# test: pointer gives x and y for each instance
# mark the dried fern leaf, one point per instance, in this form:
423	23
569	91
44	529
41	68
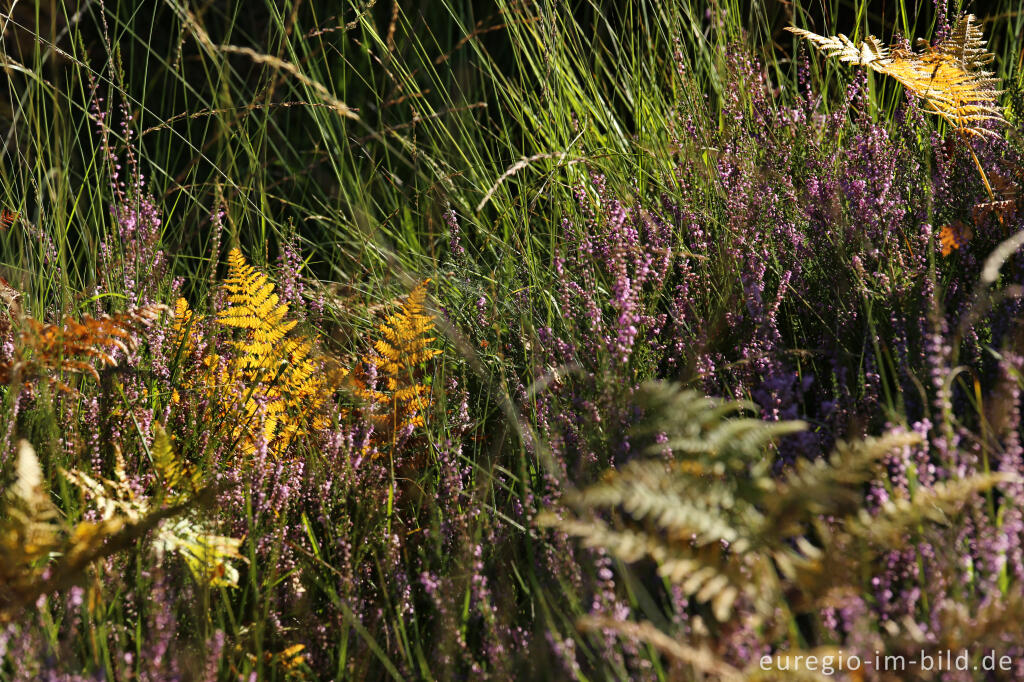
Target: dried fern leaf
870	52
949	78
76	347
935	505
831	485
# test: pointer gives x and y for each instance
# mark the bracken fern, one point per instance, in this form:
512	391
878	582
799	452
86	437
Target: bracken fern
270	388
40	553
718	523
207	555
397	396
48	351
949	78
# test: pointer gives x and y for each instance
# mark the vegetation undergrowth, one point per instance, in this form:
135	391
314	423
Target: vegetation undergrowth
654	340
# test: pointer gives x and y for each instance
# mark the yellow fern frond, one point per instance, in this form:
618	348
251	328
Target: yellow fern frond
399	398
272	388
255	306
949	78
182	328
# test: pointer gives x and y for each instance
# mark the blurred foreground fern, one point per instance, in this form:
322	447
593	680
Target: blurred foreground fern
720	525
208	555
40	554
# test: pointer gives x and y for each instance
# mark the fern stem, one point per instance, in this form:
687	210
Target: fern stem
981	171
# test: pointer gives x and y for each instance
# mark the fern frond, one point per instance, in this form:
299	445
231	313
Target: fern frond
870	52
674	504
39	554
75	347
399	399
177	477
271	388
720	525
28	527
702	659
966	44
207	555
182	331
994	623
933	505
832	485
949	78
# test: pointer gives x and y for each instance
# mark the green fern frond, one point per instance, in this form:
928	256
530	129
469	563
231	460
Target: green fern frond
719	524
177	477
207	555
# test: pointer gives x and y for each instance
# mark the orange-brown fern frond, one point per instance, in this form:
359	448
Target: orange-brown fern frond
76	347
953	236
1005	200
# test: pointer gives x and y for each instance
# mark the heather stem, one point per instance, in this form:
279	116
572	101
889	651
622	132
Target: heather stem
981	171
